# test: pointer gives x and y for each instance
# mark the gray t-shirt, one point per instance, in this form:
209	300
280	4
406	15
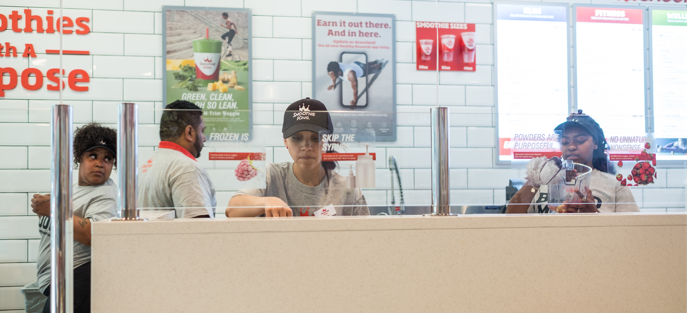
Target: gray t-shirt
609	195
305	200
92	202
173	179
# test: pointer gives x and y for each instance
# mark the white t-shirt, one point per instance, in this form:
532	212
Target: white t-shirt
347	67
609	195
305	200
172	178
92	202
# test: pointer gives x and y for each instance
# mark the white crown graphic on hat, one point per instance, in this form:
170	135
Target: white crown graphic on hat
304	113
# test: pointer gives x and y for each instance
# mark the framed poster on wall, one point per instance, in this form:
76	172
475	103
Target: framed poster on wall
353	71
207	61
532	92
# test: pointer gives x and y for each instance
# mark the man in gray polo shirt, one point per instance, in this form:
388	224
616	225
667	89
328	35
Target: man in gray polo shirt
172	178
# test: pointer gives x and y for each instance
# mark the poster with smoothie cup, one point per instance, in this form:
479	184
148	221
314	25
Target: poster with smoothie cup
449	46
207	62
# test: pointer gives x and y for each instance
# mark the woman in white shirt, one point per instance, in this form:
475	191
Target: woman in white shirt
583	142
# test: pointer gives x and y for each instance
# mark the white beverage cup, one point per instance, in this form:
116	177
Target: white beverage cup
469	42
426	48
448	43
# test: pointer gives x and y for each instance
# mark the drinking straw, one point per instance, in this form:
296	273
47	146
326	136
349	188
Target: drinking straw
206	33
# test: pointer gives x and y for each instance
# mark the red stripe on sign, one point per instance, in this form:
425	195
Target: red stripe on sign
609	15
66	52
631	157
236	156
536	154
330	157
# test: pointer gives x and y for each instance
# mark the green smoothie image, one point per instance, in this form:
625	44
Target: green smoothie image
207	58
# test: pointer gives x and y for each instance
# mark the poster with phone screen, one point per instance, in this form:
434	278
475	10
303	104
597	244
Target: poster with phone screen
354	72
449	45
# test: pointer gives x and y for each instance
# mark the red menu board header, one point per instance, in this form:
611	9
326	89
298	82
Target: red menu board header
609	15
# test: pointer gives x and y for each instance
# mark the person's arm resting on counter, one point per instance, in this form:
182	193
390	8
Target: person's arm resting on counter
521	201
248	206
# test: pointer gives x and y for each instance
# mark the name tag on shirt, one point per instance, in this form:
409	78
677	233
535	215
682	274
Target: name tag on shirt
326	211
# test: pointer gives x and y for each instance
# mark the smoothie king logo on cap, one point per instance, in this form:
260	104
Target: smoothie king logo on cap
304	113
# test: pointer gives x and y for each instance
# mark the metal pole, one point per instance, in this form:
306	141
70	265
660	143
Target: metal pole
127	160
439	119
61	229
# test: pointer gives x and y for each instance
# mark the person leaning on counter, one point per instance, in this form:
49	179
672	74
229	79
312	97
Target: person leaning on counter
304	186
94	199
583	142
172	178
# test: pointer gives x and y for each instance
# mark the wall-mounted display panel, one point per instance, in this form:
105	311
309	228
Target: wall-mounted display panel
532	80
669	78
609	67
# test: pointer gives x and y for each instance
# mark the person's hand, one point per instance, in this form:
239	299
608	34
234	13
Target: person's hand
353	103
330	87
585	206
275	207
40	204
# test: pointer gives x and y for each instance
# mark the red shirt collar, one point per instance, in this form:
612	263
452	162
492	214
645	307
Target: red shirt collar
174	146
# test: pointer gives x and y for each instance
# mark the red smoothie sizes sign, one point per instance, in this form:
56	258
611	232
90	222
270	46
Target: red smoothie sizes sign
449	45
50	24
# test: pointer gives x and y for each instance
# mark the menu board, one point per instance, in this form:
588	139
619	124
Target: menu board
532	81
609	67
669	37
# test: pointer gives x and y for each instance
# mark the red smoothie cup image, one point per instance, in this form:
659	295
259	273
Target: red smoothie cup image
448	42
469	42
207	58
426	47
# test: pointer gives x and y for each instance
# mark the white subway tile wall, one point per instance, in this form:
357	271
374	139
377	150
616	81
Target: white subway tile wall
125	65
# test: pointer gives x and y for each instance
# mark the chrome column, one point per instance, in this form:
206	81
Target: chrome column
61	227
439	119
127	160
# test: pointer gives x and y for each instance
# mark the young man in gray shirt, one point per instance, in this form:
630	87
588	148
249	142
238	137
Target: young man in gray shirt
172	178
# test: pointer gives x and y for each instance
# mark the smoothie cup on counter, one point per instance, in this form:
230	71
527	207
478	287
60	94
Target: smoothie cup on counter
207	58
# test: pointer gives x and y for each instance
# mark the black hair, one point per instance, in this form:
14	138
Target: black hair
600	160
92	135
333	67
176	117
225	15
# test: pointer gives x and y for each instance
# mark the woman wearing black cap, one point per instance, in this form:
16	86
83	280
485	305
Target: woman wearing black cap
94	199
302	187
583	142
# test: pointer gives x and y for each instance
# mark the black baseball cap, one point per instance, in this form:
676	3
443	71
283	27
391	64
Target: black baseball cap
584	121
306	114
